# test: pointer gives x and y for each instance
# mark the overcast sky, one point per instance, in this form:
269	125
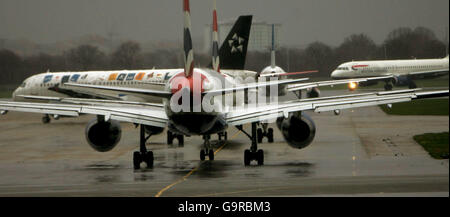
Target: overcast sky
304	21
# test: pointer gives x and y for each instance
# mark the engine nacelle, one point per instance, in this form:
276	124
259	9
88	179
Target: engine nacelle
401	81
313	92
298	130
367	83
103	136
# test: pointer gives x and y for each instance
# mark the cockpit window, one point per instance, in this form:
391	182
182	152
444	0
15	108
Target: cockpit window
23	84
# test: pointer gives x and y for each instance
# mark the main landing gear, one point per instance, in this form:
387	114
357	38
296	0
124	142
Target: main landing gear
253	153
264	131
223	136
46	119
388	87
412	85
142	155
207	149
171	136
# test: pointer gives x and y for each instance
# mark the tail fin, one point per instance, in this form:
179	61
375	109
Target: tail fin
187	41
215	45
272	51
234	48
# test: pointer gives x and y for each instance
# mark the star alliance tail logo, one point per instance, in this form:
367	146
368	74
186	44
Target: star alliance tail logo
236	43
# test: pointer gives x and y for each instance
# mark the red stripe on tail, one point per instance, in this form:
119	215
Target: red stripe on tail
186	6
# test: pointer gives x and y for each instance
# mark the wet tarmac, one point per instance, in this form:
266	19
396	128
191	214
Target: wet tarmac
362	152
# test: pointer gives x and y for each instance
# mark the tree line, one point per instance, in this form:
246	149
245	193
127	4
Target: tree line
401	43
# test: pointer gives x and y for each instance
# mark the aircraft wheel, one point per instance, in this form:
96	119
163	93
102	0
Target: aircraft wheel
211	155
270	135
388	87
412	85
180	141
260	157
169	138
149	159
247	157
260	135
46	119
137	160
202	155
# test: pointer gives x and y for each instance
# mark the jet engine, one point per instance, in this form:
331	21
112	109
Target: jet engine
298	130
401	81
313	92
103	136
367	83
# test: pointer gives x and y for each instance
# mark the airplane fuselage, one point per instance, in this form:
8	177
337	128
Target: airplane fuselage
358	69
53	84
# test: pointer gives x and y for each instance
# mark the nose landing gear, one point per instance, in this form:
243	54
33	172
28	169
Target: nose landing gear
171	137
207	149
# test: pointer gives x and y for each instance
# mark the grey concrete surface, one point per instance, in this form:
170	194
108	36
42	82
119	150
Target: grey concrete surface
362	152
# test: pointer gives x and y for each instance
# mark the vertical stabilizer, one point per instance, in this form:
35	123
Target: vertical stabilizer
187	41
215	37
233	51
272	51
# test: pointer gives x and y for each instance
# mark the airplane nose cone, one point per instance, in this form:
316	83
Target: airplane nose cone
335	74
14	94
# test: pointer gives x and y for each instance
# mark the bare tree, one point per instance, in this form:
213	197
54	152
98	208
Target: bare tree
85	57
356	47
405	43
10	67
127	55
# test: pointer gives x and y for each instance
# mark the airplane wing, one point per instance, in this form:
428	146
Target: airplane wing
255	85
87	101
140	114
135	91
428	73
303	86
81	93
271	111
288	73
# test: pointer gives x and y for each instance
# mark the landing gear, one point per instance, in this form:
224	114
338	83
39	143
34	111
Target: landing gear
388	87
249	156
253	153
143	155
223	135
46	119
207	149
171	137
412	85
265	132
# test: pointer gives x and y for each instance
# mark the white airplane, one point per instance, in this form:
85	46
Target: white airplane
403	72
275	71
203	102
51	86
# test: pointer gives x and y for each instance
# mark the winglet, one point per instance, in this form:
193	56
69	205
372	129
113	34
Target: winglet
187	41
215	46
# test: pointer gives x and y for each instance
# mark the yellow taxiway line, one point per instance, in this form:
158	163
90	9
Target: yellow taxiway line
184	178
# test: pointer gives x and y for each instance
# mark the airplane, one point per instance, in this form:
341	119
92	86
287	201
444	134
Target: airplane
403	72
203	101
49	85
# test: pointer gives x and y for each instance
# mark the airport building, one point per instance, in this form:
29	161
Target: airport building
260	35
